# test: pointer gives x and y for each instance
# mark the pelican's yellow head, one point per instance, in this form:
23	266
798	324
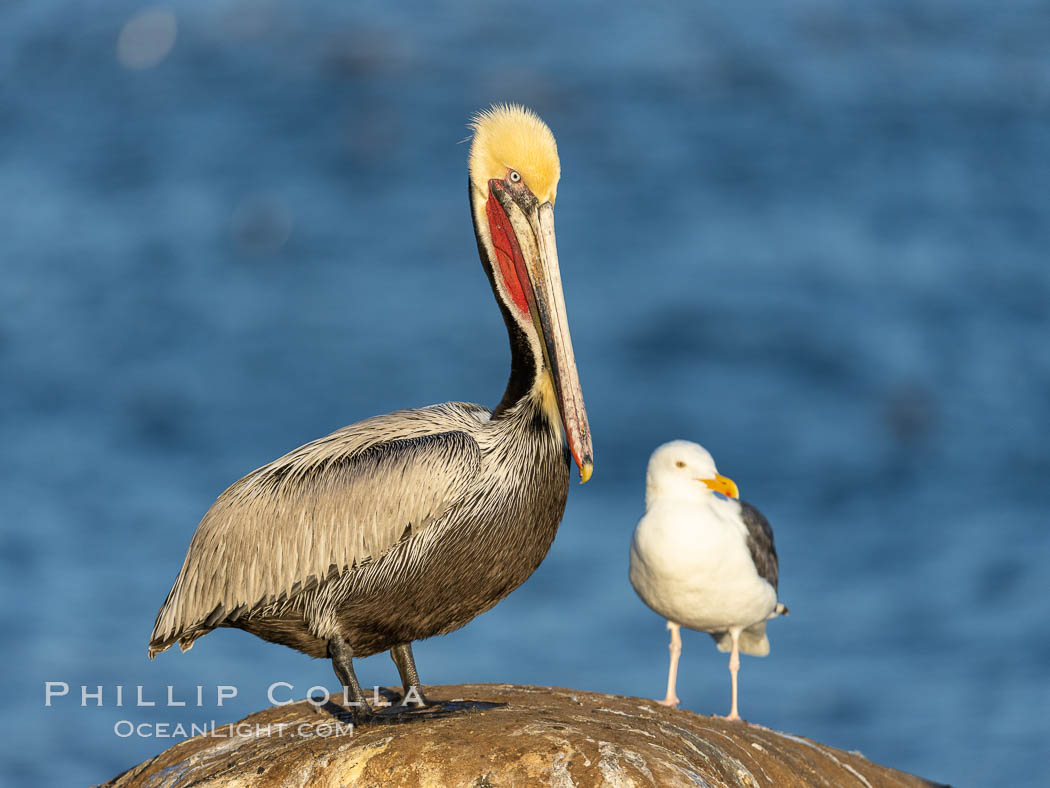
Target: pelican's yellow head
510	137
514	171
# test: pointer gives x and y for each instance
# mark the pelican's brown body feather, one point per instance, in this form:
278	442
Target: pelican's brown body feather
430	517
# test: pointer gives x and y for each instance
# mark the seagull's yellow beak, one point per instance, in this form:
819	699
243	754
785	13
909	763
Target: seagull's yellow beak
722	484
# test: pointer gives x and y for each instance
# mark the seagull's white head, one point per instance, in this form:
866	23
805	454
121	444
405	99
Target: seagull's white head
683	469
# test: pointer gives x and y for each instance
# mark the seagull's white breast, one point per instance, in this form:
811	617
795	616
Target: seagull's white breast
690	563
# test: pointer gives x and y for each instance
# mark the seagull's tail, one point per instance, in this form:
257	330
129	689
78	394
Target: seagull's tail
752	641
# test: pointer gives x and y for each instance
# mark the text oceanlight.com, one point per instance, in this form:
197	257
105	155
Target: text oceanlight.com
166	730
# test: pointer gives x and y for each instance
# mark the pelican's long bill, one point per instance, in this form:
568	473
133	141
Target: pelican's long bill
535	262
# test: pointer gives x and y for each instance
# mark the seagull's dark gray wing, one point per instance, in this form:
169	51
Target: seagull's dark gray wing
760	543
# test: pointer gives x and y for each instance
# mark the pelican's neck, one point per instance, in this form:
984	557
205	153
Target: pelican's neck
525	379
526	371
533	420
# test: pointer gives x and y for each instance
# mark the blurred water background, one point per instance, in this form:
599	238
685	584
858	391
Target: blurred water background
812	237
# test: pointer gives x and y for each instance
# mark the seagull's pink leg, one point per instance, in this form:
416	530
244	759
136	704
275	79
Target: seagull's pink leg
734	666
672	672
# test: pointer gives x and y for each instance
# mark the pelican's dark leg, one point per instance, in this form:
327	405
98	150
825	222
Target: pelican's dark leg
406	666
342	660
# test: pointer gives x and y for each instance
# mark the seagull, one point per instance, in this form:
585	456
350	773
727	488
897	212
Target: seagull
703	559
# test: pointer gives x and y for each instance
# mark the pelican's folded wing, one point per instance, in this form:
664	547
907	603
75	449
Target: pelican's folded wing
332	504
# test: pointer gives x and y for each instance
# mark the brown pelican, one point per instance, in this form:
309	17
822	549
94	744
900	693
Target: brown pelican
408	525
704	562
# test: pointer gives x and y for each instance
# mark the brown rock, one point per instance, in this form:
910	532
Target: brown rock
501	735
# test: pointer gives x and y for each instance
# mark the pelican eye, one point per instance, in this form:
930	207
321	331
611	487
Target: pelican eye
514	177
679	464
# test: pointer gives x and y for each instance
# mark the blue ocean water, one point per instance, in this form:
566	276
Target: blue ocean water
813	238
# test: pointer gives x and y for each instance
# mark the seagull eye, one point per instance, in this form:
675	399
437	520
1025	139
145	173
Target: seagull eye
514	177
679	464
